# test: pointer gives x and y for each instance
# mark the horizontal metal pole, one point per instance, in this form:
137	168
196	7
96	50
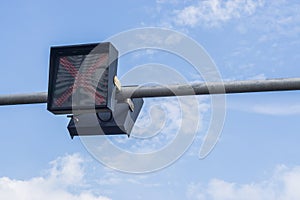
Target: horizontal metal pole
283	84
26	98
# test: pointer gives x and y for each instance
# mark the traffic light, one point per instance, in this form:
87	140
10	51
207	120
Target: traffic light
83	80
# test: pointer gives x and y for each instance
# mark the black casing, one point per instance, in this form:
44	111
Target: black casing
122	121
98	48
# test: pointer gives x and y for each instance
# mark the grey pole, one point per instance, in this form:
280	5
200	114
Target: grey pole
26	98
283	84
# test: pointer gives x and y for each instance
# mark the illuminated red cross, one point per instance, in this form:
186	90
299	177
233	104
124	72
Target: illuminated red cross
81	80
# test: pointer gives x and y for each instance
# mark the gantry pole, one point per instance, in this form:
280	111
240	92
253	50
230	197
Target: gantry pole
229	87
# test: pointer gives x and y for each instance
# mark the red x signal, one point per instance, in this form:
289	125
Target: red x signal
81	80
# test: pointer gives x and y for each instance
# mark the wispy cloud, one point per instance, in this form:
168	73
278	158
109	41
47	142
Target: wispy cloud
63	181
112	178
274	18
180	126
215	12
278	19
283	185
275	109
161	120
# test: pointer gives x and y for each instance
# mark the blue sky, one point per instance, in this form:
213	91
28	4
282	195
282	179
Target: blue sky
257	156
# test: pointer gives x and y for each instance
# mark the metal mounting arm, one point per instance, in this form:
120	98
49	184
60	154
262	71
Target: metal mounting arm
283	84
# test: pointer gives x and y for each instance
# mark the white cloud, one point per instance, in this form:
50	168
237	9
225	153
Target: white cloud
273	19
258	77
275	109
215	12
167	1
181	124
64	181
161	120
283	185
277	19
67	170
112	178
